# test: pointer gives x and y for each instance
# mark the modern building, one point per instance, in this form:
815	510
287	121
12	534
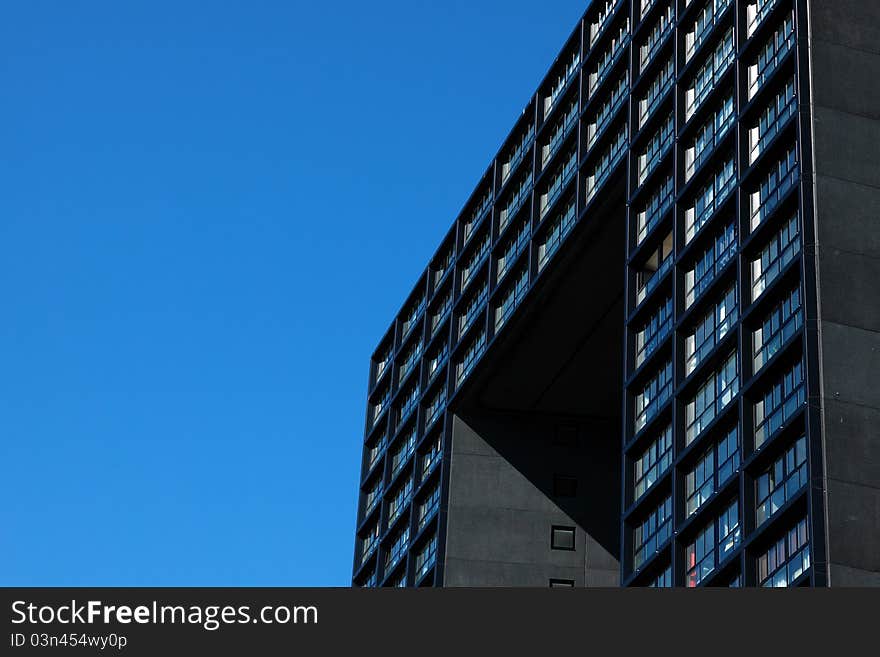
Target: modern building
647	353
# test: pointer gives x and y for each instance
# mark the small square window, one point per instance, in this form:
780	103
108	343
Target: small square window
566	436
562	538
564	486
561	583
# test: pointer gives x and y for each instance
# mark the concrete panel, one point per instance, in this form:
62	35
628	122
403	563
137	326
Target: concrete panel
460	573
845	79
848	289
852	443
851	361
853	525
846	576
502	504
854	23
846	146
848	215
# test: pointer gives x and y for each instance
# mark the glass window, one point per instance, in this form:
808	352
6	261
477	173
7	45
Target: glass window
562	538
715	542
781	481
782	248
712	397
787	559
709	199
652	533
655	330
779	403
710	264
710	330
778	45
653	396
558	230
781	323
653	463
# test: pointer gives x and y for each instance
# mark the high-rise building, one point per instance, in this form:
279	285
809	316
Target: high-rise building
647	353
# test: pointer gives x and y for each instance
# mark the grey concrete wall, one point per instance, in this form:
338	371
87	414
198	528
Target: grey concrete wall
845	62
502	507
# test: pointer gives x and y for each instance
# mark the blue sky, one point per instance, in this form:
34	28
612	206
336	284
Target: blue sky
209	214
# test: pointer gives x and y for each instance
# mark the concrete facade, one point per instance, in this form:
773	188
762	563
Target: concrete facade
845	56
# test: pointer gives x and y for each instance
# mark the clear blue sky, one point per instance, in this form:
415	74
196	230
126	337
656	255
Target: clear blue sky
209	214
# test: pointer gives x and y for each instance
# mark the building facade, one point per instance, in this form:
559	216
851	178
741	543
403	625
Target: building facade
647	351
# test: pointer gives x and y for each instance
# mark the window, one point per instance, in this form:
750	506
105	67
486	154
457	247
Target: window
710	264
656	92
781	179
781	323
778	45
562	538
663	580
426	558
608	110
436	406
655	330
412	315
561	583
779	404
558	230
712	397
432	456
517	151
399	501
709	74
608	58
428	508
470	357
443	264
408	401
711	472
775	115
398	549
517	199
656	149
710	330
787	559
403	451
606	163
560	179
654	269
780	251
442	309
652	397
708	136
652	463
655	39
652	533
410	358
369	542
381	405
474	260
480	211
781	481
437	359
375	451
655	209
472	308
372	496
603	18
560	131
709	199
564	486
702	27
565	76
755	13
381	363
713	545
